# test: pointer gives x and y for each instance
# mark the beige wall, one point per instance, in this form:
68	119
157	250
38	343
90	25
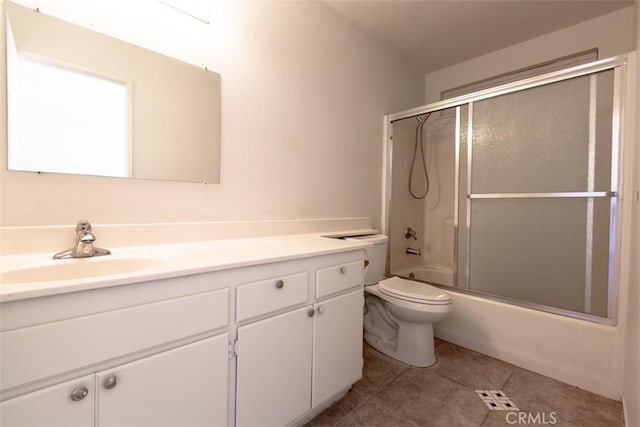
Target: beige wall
632	355
612	34
303	96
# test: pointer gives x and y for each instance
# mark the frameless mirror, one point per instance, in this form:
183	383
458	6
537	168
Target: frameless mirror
81	102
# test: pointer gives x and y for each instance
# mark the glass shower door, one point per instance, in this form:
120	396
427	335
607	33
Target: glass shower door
537	195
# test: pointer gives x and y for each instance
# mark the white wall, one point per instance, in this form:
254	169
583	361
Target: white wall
612	34
303	96
585	354
632	354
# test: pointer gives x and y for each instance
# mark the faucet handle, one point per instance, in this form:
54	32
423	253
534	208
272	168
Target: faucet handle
410	233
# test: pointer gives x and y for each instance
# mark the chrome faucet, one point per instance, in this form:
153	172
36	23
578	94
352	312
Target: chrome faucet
410	233
84	244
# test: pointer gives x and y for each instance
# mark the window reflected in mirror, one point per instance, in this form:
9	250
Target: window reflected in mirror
78	125
80	102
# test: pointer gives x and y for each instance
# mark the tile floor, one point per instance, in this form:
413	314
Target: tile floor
394	394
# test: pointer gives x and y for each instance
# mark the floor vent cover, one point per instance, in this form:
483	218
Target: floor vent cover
496	400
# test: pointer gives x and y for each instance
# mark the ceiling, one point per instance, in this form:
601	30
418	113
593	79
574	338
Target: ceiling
438	33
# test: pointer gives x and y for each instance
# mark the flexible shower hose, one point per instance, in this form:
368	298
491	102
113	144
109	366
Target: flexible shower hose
418	145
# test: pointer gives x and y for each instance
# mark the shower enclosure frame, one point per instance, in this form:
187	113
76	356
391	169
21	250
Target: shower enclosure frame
618	65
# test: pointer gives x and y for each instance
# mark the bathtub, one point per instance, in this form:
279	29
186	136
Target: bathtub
580	353
434	275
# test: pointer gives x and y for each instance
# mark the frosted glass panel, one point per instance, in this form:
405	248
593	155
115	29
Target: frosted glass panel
542	251
498	220
552	138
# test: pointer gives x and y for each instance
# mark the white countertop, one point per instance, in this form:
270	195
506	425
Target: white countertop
175	260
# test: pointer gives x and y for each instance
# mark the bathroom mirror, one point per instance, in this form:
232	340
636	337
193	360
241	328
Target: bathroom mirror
81	102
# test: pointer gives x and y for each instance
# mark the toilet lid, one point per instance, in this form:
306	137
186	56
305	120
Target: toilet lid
414	291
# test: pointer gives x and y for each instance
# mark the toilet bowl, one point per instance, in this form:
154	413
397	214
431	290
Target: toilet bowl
400	324
399	313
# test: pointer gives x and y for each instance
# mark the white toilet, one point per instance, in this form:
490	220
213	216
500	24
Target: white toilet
400	313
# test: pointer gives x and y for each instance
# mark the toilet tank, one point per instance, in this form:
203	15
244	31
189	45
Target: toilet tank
375	254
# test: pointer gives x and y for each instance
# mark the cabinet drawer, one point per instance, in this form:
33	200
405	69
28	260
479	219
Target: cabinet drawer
266	296
29	354
339	277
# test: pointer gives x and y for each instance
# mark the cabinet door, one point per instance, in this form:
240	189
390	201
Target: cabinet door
337	346
186	386
69	404
274	369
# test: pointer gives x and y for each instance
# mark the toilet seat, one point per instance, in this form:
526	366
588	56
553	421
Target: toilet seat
413	291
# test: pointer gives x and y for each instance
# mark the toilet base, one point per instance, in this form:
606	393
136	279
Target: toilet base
413	344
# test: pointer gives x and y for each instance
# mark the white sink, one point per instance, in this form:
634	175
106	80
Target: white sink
79	268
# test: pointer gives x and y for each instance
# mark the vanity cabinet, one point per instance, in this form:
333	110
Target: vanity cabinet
292	362
159	363
264	345
186	386
69	404
274	369
337	345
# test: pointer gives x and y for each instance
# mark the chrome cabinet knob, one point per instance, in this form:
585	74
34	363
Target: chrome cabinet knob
79	393
343	270
111	382
280	284
321	309
311	312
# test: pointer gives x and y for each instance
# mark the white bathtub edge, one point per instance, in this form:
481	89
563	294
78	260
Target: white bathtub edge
580	353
